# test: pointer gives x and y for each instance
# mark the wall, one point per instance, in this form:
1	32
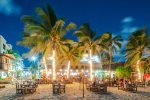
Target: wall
3	43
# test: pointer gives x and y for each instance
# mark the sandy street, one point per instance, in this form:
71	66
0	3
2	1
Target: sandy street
73	92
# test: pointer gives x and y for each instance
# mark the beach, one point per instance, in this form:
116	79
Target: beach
74	92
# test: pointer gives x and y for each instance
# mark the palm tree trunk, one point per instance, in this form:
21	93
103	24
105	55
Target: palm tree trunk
138	70
54	66
68	69
45	65
110	59
91	65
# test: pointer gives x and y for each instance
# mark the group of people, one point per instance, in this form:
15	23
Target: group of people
112	82
125	82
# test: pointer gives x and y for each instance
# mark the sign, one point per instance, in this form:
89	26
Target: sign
146	76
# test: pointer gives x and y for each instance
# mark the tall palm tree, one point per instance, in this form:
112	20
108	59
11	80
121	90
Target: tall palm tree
33	68
90	42
138	42
45	34
113	43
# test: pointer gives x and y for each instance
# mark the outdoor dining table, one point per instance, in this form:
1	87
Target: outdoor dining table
58	88
100	87
24	85
131	87
24	88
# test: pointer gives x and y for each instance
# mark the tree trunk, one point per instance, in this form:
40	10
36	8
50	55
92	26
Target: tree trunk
54	66
110	59
138	70
68	69
45	65
91	65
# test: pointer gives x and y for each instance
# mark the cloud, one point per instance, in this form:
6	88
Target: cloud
127	20
127	27
8	7
128	30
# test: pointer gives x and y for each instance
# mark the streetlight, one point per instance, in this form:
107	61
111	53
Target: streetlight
33	58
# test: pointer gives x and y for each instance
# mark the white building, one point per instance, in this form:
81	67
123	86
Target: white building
3	45
9	64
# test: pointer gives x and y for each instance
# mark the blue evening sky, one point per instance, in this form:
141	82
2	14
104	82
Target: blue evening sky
116	16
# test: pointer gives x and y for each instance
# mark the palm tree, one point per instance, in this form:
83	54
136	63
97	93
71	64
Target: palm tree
45	34
138	42
33	68
113	43
71	55
14	53
90	42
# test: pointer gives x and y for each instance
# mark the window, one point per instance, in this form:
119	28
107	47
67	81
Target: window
0	59
4	47
0	65
6	60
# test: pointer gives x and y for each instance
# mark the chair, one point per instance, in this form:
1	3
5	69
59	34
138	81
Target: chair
88	86
131	87
120	86
94	88
30	89
102	88
62	88
141	84
56	89
19	89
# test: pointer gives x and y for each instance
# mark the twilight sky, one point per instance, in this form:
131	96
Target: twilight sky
116	16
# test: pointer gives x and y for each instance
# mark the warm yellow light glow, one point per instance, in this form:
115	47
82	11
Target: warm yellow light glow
44	60
82	70
68	69
60	70
138	70
91	66
54	66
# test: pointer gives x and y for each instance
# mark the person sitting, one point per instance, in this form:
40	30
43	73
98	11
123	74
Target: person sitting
129	82
102	81
94	84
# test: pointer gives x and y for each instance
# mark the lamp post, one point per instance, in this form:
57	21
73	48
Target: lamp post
90	59
83	81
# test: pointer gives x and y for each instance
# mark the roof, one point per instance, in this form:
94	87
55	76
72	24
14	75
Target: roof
8	55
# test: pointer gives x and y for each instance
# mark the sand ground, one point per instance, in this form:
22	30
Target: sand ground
73	92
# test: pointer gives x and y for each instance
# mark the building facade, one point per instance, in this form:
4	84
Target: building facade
9	64
4	46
